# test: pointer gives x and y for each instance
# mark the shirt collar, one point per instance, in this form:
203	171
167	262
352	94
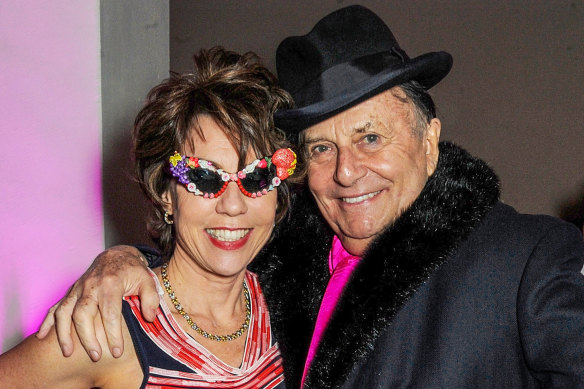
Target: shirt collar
338	254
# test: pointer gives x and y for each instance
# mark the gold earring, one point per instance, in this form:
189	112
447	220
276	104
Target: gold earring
166	219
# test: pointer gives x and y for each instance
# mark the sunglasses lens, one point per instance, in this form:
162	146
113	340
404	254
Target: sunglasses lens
207	181
257	180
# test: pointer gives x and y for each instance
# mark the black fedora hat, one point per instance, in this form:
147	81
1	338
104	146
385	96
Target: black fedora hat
349	56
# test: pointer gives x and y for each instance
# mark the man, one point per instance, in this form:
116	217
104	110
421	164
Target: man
435	283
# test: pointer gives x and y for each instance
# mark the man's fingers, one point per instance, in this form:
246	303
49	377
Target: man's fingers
83	317
47	323
149	299
110	307
62	317
101	284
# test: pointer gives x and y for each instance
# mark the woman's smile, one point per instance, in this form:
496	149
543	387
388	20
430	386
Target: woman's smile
227	234
228	239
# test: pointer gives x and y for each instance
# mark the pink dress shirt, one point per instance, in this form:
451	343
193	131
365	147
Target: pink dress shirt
341	265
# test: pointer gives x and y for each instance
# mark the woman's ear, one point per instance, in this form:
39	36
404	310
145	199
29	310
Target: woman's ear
167	198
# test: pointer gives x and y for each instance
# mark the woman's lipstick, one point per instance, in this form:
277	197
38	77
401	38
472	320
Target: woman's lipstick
228	238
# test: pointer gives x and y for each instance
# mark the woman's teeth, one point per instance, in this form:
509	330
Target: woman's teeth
228	235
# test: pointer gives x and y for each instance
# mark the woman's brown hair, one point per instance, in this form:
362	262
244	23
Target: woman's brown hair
238	92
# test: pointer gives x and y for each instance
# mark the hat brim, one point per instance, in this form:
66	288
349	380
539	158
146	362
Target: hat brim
427	69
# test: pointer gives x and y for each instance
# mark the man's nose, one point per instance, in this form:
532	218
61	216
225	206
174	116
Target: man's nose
232	201
349	167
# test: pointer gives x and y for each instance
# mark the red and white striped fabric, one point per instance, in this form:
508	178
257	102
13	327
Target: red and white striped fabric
170	358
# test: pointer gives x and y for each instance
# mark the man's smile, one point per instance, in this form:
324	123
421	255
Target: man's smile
358	199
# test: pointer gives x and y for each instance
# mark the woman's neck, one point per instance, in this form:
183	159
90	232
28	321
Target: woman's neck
201	292
216	304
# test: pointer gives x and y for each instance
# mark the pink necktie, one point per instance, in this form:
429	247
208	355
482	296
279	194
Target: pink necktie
341	265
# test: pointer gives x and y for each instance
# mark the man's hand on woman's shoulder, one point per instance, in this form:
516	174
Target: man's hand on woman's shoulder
117	272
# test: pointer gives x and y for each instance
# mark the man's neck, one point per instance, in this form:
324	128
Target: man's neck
356	247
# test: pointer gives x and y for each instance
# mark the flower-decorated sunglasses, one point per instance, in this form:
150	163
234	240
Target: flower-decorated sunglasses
202	178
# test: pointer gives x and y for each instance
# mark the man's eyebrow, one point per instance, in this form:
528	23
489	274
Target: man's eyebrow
308	140
365	127
359	129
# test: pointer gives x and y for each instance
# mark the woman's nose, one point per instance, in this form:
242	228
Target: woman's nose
232	202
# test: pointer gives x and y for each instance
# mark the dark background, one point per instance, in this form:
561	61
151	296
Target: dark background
513	97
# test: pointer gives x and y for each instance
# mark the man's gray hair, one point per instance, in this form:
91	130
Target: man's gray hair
424	107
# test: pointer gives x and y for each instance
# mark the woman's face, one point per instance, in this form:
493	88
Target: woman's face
220	235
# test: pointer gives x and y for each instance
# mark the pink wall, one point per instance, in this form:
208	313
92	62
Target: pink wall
50	155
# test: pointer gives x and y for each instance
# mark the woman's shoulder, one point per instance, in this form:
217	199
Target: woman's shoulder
40	363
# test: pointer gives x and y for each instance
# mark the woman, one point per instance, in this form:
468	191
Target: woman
209	159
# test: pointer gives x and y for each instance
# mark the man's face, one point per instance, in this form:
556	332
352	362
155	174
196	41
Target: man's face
366	165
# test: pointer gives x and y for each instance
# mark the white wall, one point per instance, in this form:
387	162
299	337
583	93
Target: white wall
50	155
60	141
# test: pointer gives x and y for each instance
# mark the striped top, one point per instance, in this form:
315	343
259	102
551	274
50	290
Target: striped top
170	358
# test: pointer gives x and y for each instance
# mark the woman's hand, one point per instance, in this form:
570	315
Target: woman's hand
117	272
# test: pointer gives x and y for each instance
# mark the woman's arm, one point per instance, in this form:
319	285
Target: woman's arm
38	363
117	272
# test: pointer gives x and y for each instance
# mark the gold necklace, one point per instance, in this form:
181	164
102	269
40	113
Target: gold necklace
193	325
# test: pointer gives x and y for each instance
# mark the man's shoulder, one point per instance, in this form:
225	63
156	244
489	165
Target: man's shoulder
504	219
505	233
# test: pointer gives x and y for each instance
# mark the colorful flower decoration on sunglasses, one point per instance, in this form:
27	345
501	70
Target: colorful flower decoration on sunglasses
202	178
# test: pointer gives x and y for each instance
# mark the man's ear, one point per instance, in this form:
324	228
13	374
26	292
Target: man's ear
431	140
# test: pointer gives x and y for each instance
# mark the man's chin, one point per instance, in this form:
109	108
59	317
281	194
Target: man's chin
361	228
356	244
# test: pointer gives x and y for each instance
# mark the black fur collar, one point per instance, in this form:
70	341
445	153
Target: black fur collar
294	269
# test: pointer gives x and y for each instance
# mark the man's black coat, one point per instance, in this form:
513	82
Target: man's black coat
460	292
